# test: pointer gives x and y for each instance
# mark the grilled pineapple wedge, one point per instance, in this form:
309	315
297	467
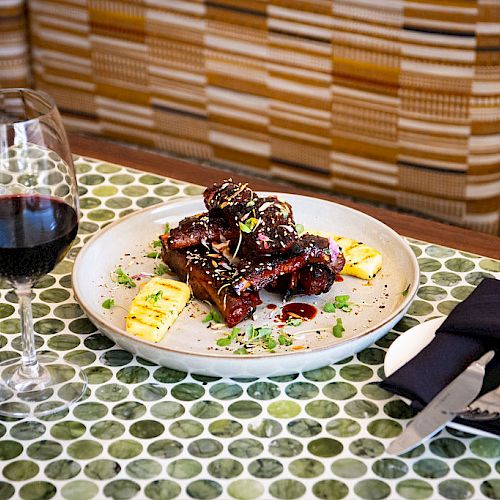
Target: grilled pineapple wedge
361	260
156	307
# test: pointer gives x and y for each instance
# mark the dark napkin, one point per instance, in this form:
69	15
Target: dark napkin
471	329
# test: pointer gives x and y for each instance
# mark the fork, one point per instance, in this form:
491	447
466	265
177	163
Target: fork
487	407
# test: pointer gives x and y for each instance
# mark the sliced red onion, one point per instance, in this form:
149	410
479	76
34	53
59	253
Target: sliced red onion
334	248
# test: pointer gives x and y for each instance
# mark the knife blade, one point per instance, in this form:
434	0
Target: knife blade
444	407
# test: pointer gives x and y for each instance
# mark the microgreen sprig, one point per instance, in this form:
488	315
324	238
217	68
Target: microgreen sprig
338	329
108	303
214	315
341	302
124	279
154	297
225	341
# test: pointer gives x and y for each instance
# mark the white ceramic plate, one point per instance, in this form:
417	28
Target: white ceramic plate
191	346
407	346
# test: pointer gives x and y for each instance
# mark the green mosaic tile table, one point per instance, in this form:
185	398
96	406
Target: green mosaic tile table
149	432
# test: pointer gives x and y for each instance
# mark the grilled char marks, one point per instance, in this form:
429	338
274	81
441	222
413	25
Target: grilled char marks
210	277
202	228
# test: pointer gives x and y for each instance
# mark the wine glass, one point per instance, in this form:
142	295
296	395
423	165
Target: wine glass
39	213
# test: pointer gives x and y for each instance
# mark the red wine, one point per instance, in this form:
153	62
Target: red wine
35	234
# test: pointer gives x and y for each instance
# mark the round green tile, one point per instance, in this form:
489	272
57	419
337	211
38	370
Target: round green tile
116	357
27	430
134	191
330	489
38	309
6	310
491	488
431	468
150	392
84	449
90	411
390	468
420	308
244	409
459	265
67	430
366	448
475	278
304	428
166	190
361	409
62	469
384	428
301	390
82	168
184	468
193	190
372	489
168	375
427	265
88	203
98	374
263	390
37	490
414	489
167	410
106	168
287	489
165	448
245	489
320	374
490	265
204	489
266	428
111	392
325	447
205	448
91	179
149	179
374	391
283	409
439	252
432	293
121	489
162	489
125	448
371	356
102	469
144	468
356	372
265	468
306	468
107	429
48	326
148	201
348	468
79	490
225	391
6	490
399	409
343	427
285	447
447	306
448	447
461	292
146	429
44	450
129	410
486	447
104	191
472	468
187	391
245	448
322	408
225	428
206	409
456	489
63	342
84	326
132	374
186	428
121	180
118	203
10	326
20	470
225	468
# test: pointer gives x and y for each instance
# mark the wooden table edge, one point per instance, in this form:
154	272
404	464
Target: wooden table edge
408	225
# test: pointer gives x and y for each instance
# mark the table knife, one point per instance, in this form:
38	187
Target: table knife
444	407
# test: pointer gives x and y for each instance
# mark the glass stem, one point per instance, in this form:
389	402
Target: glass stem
30	367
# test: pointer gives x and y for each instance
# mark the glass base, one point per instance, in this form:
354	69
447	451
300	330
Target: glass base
51	387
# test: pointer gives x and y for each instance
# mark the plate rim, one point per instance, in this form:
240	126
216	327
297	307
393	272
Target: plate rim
179	201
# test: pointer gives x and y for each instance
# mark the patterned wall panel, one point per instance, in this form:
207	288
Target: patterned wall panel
14	53
396	101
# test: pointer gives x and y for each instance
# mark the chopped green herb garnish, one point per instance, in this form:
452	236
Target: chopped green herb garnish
167	228
241	350
108	303
154	297
338	329
124	279
299	228
153	255
225	341
341	302
249	225
156	243
270	343
329	307
284	339
404	293
161	269
214	315
293	321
